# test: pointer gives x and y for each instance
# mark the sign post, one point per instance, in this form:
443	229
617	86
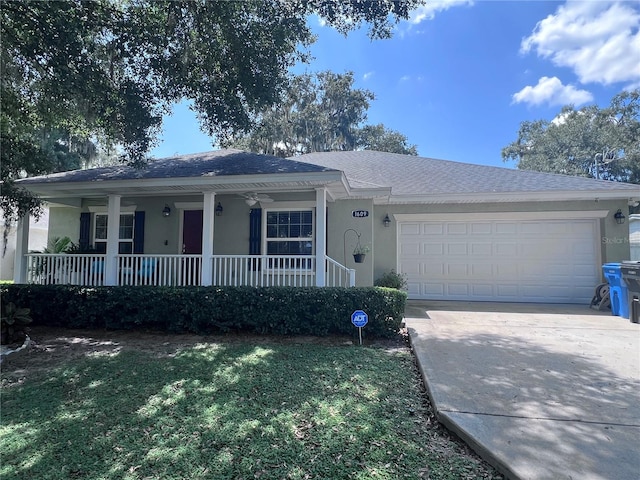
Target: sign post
359	319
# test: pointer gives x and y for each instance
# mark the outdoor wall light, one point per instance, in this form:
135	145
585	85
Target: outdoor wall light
386	220
166	211
219	210
619	216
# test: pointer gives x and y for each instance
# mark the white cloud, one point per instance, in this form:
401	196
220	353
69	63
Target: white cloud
598	40
431	7
367	76
551	91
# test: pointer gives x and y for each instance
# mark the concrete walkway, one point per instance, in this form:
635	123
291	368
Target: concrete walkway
540	391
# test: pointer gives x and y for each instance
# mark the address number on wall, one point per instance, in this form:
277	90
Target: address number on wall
360	213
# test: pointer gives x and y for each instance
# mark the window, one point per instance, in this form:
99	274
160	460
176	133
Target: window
125	233
289	232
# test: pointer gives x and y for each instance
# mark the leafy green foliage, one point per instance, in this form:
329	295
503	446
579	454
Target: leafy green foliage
379	138
77	75
58	245
320	113
226	411
13	322
392	279
591	142
207	310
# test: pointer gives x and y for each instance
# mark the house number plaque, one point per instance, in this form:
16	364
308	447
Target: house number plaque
360	213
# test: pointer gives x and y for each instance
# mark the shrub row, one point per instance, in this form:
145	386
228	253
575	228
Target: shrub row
212	310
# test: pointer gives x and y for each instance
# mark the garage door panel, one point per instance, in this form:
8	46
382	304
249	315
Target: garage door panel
457	249
537	261
506	249
410	229
482	290
432	228
506	228
484	228
456	228
411	268
481	271
481	249
583	248
433	289
458	289
433	249
457	270
410	248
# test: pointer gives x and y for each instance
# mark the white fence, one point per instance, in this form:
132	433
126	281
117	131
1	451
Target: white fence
187	270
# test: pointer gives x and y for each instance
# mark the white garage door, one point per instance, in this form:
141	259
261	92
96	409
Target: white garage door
549	261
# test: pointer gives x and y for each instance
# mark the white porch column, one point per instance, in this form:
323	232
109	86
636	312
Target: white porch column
321	235
22	247
113	237
208	214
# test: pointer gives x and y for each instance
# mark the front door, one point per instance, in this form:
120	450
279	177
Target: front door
191	245
192	232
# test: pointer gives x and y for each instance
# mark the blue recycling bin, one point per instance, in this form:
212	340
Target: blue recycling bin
618	291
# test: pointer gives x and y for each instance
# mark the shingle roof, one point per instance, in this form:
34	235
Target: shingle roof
411	175
208	164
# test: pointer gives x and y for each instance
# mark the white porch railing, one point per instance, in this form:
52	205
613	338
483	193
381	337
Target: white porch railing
185	270
48	269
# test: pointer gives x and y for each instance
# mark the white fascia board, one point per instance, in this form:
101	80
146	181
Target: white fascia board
65	202
506	216
104	209
515	197
203	183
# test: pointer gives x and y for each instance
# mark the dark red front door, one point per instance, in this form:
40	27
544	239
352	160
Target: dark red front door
192	232
191	245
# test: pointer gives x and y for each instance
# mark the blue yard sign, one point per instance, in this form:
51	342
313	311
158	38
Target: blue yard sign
359	318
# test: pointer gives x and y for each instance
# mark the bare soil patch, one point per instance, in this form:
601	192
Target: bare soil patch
52	346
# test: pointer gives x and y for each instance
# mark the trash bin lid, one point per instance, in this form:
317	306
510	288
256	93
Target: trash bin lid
630	269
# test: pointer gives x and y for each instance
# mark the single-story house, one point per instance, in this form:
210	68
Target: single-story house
457	231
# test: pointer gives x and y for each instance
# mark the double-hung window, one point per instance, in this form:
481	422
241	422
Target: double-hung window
289	232
125	233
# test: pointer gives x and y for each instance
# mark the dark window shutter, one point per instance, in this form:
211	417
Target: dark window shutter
255	227
85	231
138	232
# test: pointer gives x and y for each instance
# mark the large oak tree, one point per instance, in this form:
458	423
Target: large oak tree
106	71
591	142
320	112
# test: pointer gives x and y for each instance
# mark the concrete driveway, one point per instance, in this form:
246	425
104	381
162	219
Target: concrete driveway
540	391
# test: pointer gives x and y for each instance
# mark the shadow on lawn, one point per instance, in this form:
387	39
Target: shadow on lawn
490	374
240	411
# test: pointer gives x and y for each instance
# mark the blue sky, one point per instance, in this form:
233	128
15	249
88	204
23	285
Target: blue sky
460	76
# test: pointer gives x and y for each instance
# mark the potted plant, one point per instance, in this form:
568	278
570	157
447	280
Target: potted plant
360	252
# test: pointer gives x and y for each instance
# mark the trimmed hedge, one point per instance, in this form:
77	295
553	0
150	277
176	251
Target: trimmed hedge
212	310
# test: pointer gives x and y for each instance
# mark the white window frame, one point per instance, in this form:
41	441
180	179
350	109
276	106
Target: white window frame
266	239
97	240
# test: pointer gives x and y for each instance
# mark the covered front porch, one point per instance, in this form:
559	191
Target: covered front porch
215	219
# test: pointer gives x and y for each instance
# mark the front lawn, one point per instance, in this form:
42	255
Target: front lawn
178	407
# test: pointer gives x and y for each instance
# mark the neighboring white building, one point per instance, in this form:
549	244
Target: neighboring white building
37	241
634	236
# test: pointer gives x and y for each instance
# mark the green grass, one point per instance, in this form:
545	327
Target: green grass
228	411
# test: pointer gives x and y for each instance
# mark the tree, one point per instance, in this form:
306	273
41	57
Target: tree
105	71
382	139
319	113
591	142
